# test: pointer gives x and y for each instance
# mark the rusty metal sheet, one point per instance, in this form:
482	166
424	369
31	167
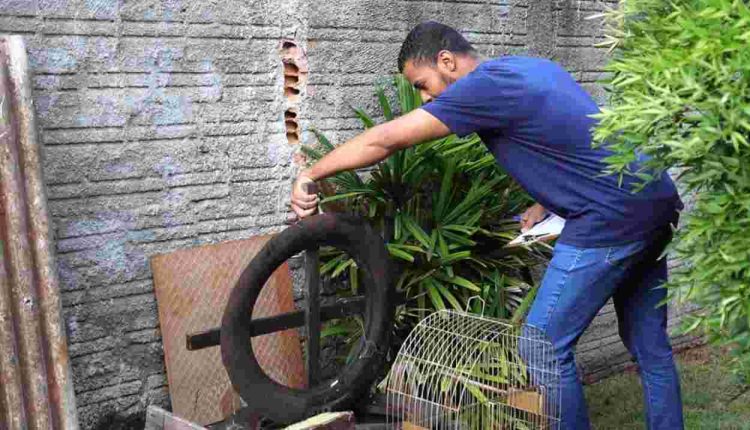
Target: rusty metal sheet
36	390
192	287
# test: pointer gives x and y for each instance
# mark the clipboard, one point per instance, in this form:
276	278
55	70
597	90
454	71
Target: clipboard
543	231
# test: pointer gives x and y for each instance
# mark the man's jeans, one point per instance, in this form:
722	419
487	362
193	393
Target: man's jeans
576	285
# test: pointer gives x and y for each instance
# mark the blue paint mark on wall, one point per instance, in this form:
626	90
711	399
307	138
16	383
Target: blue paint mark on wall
105	50
119	168
140	236
161	108
173	110
279	151
157	105
107	113
160	57
111	249
44	104
103	9
89	226
47	82
53	59
19	7
99	223
65	57
167	167
51	5
118	257
78	47
172	8
211	82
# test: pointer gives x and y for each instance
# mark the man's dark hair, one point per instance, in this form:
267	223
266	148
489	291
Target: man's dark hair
425	41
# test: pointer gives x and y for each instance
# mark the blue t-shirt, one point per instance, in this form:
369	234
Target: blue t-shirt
534	117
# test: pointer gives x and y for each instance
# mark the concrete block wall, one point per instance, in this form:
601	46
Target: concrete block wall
163	124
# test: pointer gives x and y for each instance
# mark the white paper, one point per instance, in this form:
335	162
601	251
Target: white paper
551	227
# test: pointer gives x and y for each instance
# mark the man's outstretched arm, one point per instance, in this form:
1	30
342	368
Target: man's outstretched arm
366	149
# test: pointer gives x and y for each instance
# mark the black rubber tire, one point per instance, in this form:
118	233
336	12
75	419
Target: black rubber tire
286	405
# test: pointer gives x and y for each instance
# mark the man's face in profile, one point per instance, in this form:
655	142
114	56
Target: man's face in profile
431	79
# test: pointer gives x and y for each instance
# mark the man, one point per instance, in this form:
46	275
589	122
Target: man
536	121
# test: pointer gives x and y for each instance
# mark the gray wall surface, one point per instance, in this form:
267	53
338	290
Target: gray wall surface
163	128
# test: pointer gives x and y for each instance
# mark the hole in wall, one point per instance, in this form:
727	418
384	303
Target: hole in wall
291	126
293	138
290	69
292	94
290	48
294	66
291	81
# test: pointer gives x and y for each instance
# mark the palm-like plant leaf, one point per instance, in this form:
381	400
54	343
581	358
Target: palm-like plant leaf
443	207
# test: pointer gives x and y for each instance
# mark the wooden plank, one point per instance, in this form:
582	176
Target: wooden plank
327	421
529	401
159	419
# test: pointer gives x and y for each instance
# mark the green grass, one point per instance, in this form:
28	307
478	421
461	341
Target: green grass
707	388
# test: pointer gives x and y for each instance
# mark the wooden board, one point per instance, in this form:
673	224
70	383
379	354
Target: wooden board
326	421
529	401
159	419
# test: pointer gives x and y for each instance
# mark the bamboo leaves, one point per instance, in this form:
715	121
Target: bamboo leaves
679	89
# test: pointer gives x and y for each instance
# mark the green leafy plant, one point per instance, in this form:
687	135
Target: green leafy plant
680	94
445	210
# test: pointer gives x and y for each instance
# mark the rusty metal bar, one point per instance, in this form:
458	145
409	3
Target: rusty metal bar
36	348
59	380
20	268
312	306
342	308
11	393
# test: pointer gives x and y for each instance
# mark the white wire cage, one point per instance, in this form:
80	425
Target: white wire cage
462	371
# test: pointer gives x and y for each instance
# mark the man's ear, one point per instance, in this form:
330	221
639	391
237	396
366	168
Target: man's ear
446	60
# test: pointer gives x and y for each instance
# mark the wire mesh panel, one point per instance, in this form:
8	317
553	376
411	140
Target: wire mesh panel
462	371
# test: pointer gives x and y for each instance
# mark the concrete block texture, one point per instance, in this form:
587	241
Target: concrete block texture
164	127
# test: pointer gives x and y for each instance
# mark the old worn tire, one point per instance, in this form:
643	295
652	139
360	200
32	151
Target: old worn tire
284	404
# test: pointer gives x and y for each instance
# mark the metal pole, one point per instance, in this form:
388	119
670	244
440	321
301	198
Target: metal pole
11	386
18	254
312	310
61	395
33	350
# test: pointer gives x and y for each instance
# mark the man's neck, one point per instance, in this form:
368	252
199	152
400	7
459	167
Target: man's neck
469	63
